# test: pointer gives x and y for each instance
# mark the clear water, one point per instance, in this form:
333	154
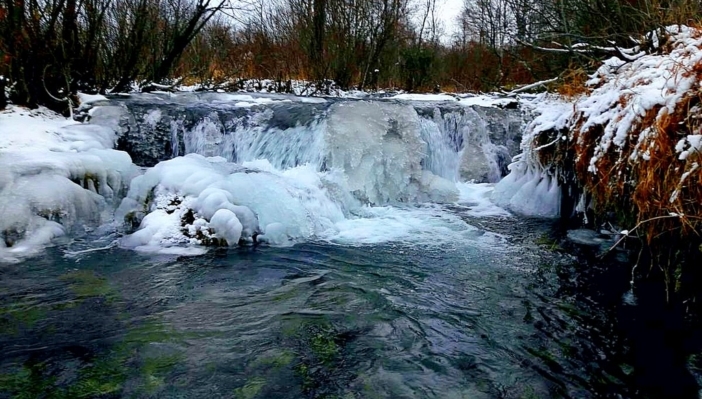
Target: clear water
319	320
396	301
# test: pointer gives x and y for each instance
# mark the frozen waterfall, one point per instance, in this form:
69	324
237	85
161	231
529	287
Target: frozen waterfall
225	169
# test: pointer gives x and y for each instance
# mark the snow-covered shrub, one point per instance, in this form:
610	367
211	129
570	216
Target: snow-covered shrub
631	147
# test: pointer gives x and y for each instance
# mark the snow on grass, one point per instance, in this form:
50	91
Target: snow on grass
624	94
632	141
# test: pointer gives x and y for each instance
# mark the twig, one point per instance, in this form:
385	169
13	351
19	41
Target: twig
66	99
626	233
531	86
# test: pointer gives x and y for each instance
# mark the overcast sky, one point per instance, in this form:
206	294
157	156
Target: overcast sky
449	11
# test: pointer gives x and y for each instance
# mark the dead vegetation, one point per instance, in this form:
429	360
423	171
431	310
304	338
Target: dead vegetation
651	184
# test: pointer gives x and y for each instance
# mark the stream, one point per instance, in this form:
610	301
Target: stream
392	275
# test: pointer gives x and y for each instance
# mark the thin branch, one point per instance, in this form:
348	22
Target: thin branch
532	86
626	233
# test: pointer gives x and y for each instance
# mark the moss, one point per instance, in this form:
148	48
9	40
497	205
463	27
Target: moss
547	357
18	316
319	349
251	389
69	304
323	346
150	331
303	371
87	284
155	369
26	382
154	330
104	376
571	309
550	243
529	393
276	360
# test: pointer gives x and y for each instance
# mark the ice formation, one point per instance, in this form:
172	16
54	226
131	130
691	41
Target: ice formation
380	149
531	188
293	204
56	176
311	179
242	169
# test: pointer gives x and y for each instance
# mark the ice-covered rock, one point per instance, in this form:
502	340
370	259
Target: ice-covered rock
532	188
56	176
227	226
275	234
293	203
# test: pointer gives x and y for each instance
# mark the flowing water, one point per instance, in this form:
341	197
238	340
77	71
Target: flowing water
400	300
319	320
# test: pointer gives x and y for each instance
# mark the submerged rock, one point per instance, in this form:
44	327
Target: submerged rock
589	238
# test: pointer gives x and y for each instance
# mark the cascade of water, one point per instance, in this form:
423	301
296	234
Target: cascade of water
283	148
443	154
459	143
303	169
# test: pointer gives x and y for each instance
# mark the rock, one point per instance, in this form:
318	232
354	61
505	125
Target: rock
589	238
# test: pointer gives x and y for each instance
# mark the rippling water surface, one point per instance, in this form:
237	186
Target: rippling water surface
513	319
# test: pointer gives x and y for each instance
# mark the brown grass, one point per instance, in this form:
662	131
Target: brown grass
572	83
639	191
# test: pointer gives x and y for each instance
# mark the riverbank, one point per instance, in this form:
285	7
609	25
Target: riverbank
625	157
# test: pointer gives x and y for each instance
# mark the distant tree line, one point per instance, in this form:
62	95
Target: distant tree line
402	44
49	49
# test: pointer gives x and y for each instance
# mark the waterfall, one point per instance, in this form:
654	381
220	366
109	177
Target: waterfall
458	143
284	171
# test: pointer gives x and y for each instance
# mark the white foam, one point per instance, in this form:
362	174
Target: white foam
478	198
425	225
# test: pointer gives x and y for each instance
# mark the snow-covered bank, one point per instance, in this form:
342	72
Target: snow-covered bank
56	176
626	155
635	137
